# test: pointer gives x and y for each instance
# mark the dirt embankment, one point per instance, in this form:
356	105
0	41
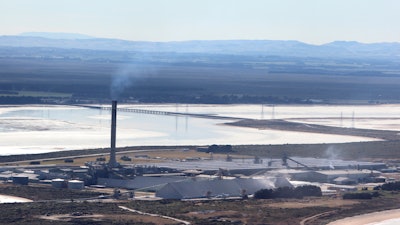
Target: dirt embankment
312	128
376	151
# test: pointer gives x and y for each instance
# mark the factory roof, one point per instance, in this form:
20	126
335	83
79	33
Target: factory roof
342	179
213	188
238	164
288	171
346	172
9	174
139	182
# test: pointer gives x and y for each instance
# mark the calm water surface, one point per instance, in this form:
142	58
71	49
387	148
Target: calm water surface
34	129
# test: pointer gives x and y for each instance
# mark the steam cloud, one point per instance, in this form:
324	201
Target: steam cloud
120	81
125	78
331	152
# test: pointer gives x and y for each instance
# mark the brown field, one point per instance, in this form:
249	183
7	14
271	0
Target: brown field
152	157
117	218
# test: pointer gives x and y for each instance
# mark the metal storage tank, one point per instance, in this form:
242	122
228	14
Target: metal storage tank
58	183
76	184
23	180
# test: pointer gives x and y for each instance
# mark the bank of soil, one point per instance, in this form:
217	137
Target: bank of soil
284	125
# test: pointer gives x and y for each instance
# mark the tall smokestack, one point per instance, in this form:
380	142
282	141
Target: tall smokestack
113	161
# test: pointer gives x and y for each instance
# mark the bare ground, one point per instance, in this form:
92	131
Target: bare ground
388	135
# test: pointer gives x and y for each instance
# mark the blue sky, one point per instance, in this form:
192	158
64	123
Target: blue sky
311	21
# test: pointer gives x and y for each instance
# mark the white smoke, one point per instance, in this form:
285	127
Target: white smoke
119	82
331	152
331	166
125	77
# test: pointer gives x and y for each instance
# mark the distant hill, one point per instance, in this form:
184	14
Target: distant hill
215	72
336	49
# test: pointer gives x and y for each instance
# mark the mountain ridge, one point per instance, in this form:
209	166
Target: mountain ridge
260	47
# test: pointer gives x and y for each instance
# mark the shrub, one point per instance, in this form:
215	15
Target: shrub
288	192
219	148
264	194
309	190
392	186
360	195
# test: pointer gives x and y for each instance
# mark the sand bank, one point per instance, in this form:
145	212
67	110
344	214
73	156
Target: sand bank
369	218
12	199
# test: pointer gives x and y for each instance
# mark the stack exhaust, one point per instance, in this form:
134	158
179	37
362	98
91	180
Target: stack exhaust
113	161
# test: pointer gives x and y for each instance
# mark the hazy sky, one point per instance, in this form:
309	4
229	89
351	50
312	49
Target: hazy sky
311	21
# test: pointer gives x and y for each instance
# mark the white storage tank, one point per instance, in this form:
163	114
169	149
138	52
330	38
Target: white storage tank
76	184
58	183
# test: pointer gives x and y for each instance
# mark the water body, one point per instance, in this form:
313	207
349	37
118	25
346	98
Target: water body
41	128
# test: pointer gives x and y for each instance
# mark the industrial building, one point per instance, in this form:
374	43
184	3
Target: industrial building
219	188
349	176
140	182
198	177
343	176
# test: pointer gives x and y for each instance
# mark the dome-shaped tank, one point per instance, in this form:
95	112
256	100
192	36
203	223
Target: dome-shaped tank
58	183
76	184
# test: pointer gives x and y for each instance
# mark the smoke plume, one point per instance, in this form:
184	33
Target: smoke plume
119	82
332	152
125	77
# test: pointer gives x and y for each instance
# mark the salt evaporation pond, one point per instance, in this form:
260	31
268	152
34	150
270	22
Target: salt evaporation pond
43	128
